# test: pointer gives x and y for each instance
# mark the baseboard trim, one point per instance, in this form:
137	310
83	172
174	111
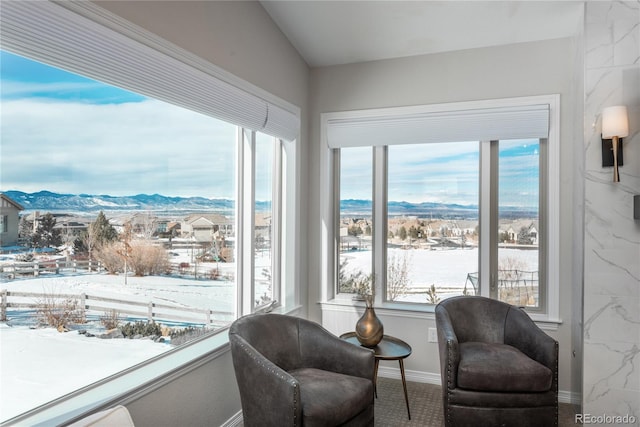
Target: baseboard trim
434	378
234	421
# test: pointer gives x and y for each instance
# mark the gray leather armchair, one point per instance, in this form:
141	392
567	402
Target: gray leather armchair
498	368
293	372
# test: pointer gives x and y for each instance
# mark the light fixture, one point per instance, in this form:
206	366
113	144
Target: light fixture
615	126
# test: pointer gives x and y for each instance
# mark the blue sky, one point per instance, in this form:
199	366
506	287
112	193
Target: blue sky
65	133
444	173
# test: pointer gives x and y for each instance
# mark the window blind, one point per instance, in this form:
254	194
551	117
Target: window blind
401	127
56	35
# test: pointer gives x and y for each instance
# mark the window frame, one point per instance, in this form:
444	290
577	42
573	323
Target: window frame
549	201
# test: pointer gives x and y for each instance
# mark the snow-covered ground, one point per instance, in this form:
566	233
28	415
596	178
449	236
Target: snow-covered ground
447	269
38	365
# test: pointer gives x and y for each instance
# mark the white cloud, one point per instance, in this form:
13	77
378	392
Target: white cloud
118	149
28	89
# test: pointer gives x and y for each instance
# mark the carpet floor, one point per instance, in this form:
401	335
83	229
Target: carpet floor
425	403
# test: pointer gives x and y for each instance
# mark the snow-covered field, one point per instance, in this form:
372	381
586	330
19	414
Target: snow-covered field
38	365
446	269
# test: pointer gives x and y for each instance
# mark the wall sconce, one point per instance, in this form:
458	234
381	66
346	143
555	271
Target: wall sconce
615	126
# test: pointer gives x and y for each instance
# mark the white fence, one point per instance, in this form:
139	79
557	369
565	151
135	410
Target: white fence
35	268
149	310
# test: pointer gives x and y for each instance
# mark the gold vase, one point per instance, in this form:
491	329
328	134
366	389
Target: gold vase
369	328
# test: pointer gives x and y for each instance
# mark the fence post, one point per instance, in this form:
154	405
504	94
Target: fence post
36	267
3	309
83	304
57	267
150	311
208	317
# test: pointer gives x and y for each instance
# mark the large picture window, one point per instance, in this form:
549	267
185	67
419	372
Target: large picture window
455	218
130	161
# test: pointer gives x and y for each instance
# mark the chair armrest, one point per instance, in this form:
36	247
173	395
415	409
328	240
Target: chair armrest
522	333
448	348
321	349
264	388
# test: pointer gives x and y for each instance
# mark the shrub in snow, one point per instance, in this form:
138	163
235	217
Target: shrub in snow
142	257
143	329
110	258
187	334
110	319
25	257
59	312
148	259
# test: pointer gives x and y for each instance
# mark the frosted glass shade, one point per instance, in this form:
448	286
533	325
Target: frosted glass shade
615	122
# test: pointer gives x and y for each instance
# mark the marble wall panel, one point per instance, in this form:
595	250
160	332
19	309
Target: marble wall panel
611	329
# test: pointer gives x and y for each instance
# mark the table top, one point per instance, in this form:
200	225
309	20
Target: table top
390	348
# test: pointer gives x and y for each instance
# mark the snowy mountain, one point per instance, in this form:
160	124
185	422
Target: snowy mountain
48	201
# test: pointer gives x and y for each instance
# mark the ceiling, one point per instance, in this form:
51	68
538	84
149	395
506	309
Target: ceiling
329	33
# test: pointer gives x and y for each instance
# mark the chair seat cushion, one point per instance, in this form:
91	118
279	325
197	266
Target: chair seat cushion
329	398
500	368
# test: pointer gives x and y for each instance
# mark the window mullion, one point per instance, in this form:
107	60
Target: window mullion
488	207
333	260
246	213
276	222
379	247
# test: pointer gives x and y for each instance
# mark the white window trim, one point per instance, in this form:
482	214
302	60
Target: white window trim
329	178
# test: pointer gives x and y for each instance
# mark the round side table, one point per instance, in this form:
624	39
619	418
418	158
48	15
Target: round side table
390	348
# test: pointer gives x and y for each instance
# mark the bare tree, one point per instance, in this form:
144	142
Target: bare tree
397	276
147	226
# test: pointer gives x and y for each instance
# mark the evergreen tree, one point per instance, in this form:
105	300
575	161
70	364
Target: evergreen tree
402	233
46	236
524	237
354	230
99	233
25	229
102	230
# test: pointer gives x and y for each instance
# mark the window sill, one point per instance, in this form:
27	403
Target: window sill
417	311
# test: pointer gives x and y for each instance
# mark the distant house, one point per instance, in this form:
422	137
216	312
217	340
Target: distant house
206	227
72	226
527	228
9	221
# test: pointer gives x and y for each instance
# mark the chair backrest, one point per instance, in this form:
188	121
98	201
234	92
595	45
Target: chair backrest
476	318
275	336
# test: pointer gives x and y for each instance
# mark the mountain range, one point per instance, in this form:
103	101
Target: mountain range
49	201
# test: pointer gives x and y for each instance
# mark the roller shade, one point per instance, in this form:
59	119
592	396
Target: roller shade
58	36
518	122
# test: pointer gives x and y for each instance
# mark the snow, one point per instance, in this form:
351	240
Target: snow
447	269
39	365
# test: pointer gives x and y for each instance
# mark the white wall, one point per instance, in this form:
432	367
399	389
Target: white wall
611	236
509	71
